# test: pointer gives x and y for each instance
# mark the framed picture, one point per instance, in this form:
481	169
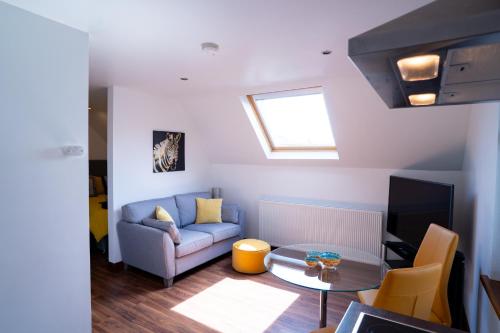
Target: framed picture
168	151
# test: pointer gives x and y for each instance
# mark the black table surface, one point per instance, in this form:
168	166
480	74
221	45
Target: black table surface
355	309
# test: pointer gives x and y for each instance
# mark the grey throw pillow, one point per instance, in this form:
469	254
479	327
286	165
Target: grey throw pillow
169	227
230	213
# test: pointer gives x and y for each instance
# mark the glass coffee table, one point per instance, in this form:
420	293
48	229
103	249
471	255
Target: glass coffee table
357	271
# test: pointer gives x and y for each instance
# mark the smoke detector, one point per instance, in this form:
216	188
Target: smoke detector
210	48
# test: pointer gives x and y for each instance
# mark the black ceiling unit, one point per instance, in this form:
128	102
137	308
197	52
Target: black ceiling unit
447	52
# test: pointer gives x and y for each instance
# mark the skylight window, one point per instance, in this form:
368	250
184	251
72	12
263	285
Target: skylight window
294	121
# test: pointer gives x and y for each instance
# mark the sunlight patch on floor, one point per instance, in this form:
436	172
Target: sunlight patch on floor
237	306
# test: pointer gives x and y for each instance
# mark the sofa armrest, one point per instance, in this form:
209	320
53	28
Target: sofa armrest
149	249
242	222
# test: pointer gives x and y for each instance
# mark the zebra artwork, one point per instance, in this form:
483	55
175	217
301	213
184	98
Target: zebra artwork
168	151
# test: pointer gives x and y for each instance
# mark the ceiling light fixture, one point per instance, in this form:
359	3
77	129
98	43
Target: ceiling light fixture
210	48
418	68
422	99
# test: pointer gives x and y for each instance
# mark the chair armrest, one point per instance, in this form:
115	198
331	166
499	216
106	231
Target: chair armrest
147	248
242	222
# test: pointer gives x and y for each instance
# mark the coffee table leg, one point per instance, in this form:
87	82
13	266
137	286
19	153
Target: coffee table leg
322	308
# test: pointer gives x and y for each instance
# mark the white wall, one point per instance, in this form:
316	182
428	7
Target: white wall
481	167
132	117
44	241
495	242
354	187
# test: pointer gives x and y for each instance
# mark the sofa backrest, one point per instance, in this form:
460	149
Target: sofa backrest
186	203
135	212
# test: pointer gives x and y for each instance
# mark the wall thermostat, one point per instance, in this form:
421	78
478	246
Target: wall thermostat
73	150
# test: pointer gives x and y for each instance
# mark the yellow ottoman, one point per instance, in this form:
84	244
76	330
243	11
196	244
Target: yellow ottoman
248	256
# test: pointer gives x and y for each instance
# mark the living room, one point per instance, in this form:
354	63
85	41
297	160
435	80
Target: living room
136	74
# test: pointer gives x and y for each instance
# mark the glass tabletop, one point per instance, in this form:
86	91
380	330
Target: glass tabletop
357	271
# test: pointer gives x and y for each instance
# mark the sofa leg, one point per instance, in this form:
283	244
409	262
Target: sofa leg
125	267
168	282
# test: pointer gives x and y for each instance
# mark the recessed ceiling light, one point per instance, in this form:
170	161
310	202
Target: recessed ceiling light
326	52
422	99
418	68
184	78
210	48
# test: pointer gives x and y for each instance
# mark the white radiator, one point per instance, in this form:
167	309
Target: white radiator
282	223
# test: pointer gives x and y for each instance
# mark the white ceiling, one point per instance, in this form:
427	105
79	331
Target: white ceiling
151	43
265	45
73	13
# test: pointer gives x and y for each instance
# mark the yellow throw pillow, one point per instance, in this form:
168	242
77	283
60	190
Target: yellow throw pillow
208	210
163	215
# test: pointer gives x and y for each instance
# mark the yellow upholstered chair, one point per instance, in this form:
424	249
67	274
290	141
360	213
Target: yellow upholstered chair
408	291
438	246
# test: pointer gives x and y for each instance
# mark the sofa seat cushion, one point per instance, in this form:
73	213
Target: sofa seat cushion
192	241
219	231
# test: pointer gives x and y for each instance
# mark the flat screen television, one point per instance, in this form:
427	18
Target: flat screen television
414	205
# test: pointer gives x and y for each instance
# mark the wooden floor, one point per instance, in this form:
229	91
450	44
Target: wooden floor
135	301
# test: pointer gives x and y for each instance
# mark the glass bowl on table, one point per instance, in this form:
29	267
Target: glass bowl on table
311	261
330	260
315	254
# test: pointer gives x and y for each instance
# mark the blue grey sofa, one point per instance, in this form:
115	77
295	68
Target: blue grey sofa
153	251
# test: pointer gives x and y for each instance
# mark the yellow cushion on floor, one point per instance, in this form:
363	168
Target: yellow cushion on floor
367	296
248	256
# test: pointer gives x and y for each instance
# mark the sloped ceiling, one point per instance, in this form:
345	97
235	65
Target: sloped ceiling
367	133
264	46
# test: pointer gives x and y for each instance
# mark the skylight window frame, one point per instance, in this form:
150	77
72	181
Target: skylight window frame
265	131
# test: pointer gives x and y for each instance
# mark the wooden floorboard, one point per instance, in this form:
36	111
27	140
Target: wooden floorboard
135	301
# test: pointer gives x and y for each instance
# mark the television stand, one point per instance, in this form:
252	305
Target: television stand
402	249
395	263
